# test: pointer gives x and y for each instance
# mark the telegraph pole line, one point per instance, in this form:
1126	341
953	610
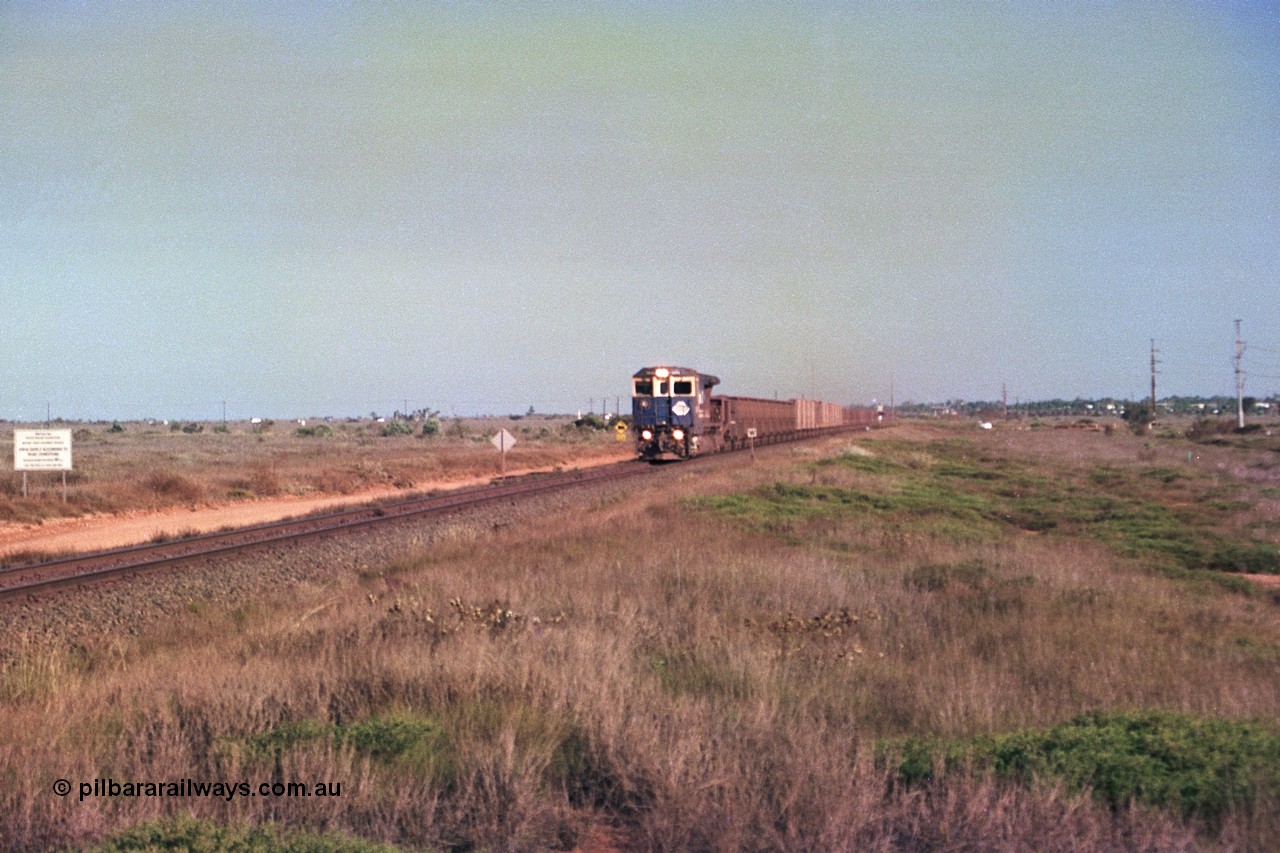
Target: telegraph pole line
1239	379
1154	362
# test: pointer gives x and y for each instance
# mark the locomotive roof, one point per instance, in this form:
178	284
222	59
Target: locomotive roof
706	379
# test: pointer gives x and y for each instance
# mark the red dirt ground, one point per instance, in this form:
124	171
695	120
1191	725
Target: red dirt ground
115	531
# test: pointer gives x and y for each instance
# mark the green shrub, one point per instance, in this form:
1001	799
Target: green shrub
397	428
1248	557
1139	417
288	735
389	736
407	739
1197	767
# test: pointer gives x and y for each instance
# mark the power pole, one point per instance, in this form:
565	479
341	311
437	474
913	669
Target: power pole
1004	399
1239	379
1153	379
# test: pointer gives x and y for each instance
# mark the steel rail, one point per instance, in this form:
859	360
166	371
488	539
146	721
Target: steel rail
31	580
26	581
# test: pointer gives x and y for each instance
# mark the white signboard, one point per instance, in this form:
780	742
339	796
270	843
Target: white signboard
42	450
504	441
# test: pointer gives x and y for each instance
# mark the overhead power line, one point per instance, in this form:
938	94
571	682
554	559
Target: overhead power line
1154	362
1239	379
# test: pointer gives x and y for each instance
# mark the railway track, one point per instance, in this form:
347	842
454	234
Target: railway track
25	582
29	581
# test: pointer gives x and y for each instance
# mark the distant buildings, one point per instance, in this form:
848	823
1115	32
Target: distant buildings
1104	407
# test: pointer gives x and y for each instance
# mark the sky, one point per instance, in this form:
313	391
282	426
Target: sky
311	208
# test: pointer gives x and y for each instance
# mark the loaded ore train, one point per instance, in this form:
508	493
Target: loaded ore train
675	416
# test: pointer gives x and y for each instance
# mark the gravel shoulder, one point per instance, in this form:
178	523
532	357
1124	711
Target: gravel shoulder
94	617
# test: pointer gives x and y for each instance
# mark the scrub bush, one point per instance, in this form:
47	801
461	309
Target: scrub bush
1198	767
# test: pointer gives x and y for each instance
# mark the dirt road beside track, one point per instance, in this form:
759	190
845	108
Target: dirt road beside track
78	535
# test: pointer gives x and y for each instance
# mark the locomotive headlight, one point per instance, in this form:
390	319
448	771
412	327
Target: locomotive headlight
678	434
647	435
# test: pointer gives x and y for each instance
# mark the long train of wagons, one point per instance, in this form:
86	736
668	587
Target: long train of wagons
675	416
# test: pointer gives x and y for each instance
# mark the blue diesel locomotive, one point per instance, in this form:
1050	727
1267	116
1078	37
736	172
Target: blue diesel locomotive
671	411
676	416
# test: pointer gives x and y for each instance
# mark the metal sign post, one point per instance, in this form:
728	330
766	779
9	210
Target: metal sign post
502	441
751	442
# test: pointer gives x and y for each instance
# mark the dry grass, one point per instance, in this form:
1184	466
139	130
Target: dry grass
702	674
149	467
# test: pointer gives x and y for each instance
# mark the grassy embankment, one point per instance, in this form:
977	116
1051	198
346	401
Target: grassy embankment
926	639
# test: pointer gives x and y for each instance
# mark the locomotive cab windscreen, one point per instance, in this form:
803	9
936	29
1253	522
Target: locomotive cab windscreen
669	398
665	386
671	382
656	391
